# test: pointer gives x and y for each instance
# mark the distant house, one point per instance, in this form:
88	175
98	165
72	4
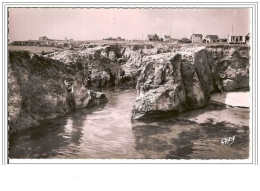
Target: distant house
153	37
211	38
196	38
43	38
237	39
167	38
71	39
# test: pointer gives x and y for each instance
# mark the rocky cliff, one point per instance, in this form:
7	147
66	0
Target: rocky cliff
40	88
110	65
184	79
169	79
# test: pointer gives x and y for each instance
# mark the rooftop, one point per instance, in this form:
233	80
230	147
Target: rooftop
197	35
214	37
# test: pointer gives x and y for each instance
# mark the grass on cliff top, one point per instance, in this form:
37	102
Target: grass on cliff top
46	50
33	49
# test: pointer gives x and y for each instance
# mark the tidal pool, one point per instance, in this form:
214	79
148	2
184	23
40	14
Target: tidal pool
107	132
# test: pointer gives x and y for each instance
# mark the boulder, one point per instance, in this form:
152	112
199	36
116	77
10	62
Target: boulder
36	90
41	88
83	97
160	89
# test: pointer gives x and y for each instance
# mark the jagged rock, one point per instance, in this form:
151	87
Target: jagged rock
83	97
36	90
195	96
160	88
169	86
39	89
88	98
106	64
96	98
230	66
112	56
197	79
169	79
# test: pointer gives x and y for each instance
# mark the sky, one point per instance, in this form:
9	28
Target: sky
95	24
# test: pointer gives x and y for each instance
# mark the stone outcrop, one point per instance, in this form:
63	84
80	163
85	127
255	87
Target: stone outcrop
102	65
169	79
230	66
110	65
37	90
173	82
84	97
160	88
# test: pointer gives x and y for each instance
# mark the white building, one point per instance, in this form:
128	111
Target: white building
211	38
237	39
196	38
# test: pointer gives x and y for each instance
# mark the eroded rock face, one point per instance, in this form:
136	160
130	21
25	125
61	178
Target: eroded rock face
102	65
37	90
230	66
169	79
160	88
110	65
173	82
169	85
84	97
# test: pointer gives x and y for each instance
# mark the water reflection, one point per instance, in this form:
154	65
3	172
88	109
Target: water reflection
107	132
182	139
38	142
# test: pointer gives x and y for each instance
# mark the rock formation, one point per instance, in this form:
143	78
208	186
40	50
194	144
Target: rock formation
37	90
169	79
161	88
230	66
171	83
110	65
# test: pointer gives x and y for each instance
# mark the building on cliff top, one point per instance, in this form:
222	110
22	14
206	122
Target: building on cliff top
211	38
196	38
238	39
